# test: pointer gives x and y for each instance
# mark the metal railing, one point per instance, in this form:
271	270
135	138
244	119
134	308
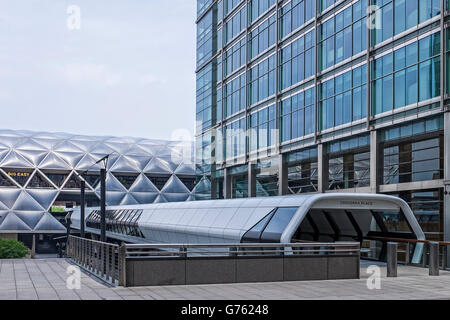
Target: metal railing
144	251
109	262
406	248
99	258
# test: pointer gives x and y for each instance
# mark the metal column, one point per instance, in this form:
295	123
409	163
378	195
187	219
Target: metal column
82	207
369	46
213	186
323	171
251	179
376	162
282	176
277	75
103	205
227	184
447	179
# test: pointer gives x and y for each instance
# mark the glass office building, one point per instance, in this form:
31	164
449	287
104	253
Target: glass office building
305	96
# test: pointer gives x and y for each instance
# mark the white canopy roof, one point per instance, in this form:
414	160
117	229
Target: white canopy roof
226	221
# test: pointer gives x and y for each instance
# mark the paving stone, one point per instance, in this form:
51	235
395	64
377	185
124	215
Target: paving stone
46	280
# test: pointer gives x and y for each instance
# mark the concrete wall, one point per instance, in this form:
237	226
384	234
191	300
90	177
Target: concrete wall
190	271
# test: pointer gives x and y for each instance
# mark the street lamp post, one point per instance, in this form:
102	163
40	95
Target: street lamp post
103	205
102	200
83	207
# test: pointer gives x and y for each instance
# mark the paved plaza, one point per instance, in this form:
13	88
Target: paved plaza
46	280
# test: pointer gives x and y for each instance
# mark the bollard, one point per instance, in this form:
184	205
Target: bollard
434	258
445	258
392	259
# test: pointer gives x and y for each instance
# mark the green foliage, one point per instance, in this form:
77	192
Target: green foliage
57	209
12	249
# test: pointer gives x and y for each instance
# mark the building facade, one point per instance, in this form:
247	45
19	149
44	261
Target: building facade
40	175
304	96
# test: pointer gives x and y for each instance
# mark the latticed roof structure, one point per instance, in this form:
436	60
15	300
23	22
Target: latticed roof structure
39	169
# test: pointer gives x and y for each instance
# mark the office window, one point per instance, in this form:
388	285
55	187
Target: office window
447	56
219	107
262	37
412	72
239	186
258	7
396	16
266	175
349	164
204	97
235	133
414	161
229	5
262	128
343	35
235	25
205	38
235	57
297	61
428	208
297	115
202	5
324	4
203	153
235	95
302	171
294	14
350	170
343	98
261	80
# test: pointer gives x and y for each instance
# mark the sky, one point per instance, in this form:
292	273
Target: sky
129	70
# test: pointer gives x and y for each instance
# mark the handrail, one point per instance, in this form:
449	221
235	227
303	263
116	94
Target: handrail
148	251
99	258
441	243
444	254
94	241
241	245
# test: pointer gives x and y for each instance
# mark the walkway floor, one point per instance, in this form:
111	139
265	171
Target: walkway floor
46	280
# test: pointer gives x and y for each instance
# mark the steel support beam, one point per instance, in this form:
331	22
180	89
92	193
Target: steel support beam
447	178
213	187
443	60
277	75
227	184
323	169
282	176
376	152
355	225
368	97
316	70
251	179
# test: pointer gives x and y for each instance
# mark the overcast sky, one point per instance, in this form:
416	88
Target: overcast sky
128	71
